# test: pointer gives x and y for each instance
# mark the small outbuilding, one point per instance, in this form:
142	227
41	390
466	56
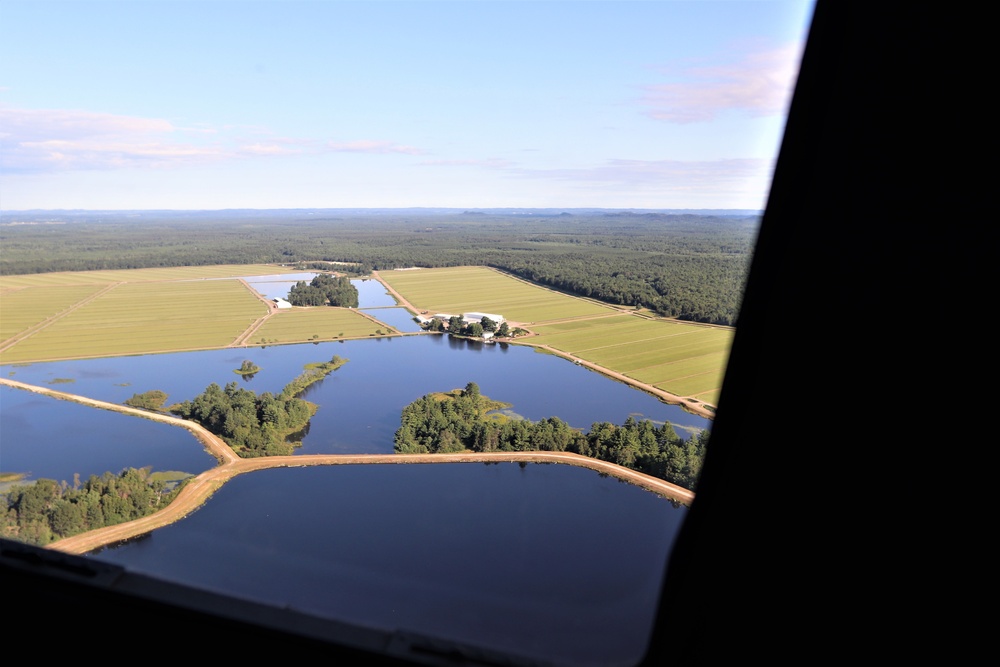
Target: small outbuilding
281	303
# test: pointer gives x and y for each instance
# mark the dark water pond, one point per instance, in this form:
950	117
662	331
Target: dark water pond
360	404
371	293
47	437
398	318
549	561
277	286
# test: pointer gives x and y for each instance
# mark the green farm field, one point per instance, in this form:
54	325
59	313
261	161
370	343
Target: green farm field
683	359
66	278
141	317
458	290
45	317
21	309
679	358
315	324
82	314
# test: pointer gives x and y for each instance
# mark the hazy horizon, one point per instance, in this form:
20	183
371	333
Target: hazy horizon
420	209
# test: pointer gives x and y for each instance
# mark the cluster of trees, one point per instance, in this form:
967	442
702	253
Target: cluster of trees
688	266
324	289
460	420
456	324
247	368
149	400
655	450
46	511
257	425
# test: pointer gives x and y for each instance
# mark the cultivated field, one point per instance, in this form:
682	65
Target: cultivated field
135	318
53	316
315	324
680	358
683	359
458	290
22	309
62	279
44	317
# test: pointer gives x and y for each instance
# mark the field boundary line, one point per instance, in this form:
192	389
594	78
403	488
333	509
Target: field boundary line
272	308
694	407
31	331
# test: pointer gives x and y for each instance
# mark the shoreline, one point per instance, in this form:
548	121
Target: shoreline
693	406
198	489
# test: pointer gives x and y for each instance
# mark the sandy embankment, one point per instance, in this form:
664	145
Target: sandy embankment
201	487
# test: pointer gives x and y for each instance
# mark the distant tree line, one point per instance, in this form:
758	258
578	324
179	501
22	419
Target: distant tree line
45	511
688	266
460	421
324	290
257	425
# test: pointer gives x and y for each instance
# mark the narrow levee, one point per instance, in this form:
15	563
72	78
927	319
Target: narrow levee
200	488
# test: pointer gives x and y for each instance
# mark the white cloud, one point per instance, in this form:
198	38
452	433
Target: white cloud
488	163
38	140
366	146
759	84
49	140
267	149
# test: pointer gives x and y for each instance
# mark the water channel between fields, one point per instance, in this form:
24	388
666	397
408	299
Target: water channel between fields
478	553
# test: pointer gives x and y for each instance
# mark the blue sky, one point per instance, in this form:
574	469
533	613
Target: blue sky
194	104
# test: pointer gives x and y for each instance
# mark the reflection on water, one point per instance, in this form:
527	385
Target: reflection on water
360	403
46	437
398	318
372	294
278	286
480	553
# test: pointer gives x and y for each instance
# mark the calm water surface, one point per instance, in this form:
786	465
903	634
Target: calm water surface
278	286
551	561
398	318
45	437
485	554
360	404
371	293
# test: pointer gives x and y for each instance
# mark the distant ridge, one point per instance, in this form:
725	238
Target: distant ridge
258	212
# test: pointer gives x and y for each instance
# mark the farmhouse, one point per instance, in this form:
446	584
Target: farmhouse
469	318
281	303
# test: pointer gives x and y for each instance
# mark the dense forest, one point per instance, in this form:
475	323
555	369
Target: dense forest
46	511
464	419
682	265
257	425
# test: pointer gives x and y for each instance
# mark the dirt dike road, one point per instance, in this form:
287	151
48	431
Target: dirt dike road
201	487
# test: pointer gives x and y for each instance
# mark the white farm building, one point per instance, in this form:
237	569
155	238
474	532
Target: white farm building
469	318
